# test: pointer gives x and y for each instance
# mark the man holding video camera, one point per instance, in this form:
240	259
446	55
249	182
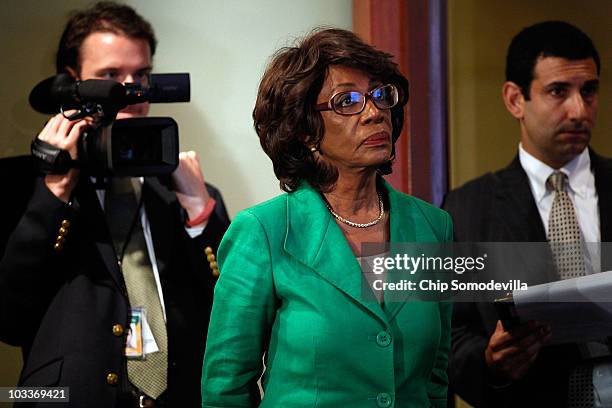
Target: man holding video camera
106	284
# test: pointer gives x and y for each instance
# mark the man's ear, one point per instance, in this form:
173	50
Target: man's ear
513	99
72	72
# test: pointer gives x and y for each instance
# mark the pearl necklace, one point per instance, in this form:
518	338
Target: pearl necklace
381	213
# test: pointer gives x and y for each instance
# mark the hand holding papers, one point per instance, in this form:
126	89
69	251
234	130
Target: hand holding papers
578	309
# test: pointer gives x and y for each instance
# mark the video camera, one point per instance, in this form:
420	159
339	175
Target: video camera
134	147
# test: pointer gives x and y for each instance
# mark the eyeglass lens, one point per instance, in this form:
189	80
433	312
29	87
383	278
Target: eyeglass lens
384	97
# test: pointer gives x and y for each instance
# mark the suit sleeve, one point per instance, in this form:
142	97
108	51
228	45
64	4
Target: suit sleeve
467	366
437	387
243	311
469	338
210	237
30	275
220	210
218	222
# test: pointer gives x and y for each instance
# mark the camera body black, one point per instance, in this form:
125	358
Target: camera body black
130	147
147	146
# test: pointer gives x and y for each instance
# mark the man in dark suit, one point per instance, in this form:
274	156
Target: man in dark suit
551	88
76	287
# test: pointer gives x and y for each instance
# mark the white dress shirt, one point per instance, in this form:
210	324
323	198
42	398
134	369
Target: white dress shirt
581	191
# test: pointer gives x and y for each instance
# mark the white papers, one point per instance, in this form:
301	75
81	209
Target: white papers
578	309
149	344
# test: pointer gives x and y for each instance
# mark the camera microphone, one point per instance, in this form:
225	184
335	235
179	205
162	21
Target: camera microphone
64	91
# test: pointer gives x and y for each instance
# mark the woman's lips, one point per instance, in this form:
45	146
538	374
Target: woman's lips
377	139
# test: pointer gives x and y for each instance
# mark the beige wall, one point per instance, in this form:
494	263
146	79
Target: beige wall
483	136
29	32
223	44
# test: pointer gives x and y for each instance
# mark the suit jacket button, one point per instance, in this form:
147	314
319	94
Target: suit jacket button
62	231
384	400
208	250
213	265
215	272
65	224
60	239
58	246
112	379
118	330
211	258
383	339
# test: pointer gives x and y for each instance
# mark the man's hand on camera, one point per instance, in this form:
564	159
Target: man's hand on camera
63	133
189	184
510	354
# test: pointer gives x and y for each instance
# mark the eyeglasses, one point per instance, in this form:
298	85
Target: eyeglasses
353	102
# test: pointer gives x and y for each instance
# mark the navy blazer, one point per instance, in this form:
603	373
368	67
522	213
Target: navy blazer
67	307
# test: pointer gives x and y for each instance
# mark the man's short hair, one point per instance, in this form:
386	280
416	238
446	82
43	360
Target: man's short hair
104	16
546	39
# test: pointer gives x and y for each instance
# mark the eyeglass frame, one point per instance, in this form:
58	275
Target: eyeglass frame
327	106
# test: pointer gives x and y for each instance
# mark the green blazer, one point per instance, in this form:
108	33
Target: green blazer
290	288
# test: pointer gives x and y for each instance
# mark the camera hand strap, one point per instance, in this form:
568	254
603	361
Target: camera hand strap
51	159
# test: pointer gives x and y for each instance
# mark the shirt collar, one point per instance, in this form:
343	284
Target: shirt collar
578	171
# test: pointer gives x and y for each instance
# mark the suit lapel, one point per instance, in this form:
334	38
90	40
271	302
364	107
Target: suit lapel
517	210
314	238
404	228
602	169
94	222
158	202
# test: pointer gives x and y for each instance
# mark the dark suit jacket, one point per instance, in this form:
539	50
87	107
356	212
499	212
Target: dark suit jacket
62	306
499	207
17	177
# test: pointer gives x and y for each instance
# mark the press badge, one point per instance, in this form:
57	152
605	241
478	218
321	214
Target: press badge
140	340
134	348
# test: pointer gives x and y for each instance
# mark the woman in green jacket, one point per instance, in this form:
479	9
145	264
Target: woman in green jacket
289	302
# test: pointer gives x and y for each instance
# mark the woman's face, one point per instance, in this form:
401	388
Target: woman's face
358	141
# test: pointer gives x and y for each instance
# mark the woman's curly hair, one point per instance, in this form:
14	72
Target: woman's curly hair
285	118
